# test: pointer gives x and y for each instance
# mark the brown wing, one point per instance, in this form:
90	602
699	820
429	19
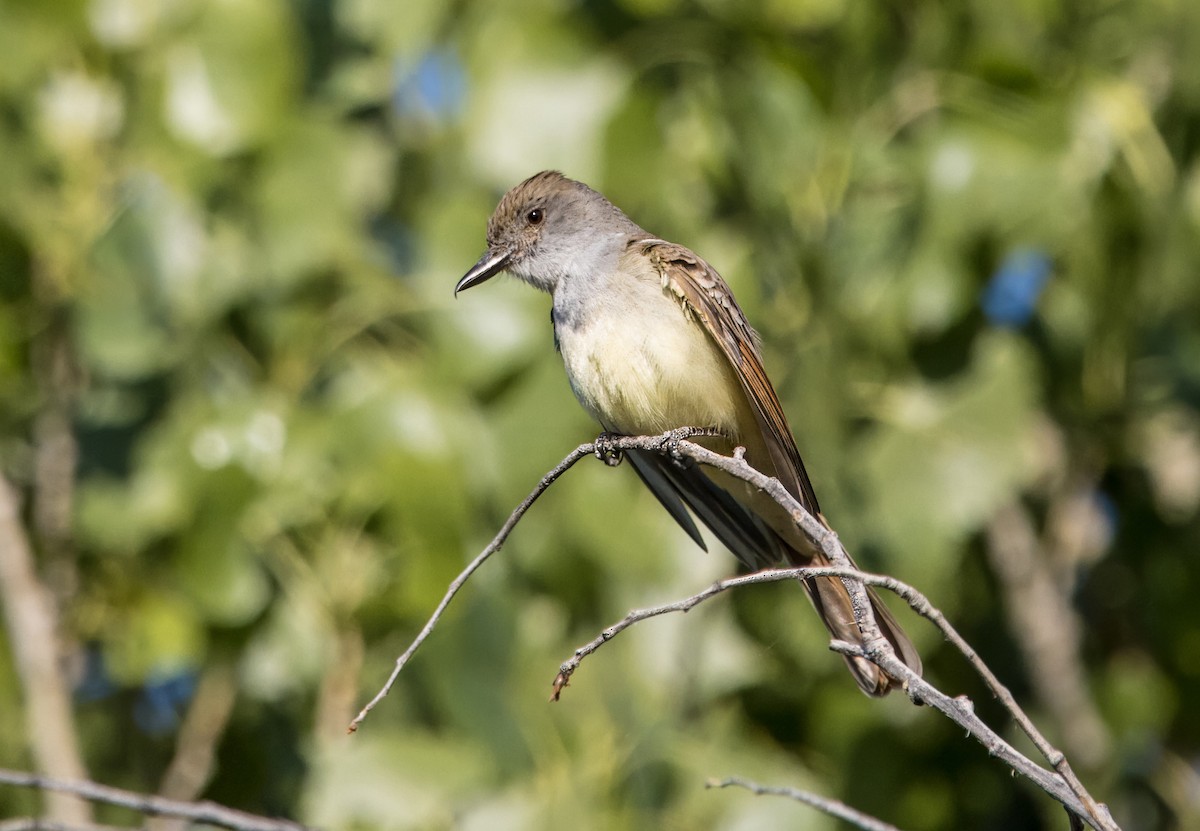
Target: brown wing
707	297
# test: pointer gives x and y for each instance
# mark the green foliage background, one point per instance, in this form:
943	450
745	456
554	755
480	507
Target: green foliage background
228	237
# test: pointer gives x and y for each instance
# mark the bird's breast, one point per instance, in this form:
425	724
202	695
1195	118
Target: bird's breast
639	365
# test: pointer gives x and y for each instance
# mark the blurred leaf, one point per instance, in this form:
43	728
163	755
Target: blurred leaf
154	635
231	77
960	450
231	230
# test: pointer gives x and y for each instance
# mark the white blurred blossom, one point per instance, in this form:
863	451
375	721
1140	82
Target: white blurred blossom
76	110
194	112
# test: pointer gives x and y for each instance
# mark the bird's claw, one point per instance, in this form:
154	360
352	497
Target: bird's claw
674	453
606	451
671	446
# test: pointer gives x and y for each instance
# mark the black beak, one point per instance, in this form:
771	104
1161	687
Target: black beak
489	265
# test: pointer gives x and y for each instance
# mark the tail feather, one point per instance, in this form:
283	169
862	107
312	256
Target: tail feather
761	534
832	601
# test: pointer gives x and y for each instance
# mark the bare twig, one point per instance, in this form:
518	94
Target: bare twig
494	546
204	812
1046	630
960	709
606	447
32	631
1061	783
56	450
830	806
568	667
879	651
39	824
191	767
338	692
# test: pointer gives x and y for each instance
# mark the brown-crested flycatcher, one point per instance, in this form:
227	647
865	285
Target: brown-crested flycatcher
652	340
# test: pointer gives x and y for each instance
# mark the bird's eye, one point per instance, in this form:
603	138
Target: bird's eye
536	216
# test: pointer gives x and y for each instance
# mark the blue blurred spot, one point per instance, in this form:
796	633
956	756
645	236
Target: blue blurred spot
95	683
396	242
1108	509
1012	294
433	89
159	707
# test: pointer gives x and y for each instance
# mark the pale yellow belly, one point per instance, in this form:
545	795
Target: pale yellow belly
651	370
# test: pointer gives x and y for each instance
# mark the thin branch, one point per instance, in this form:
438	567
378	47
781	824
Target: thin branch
494	546
32	631
204	812
191	767
879	651
40	824
830	806
1065	787
960	709
56	450
606	448
338	691
1061	783
1046	630
568	667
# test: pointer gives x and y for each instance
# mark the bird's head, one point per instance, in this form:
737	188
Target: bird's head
547	229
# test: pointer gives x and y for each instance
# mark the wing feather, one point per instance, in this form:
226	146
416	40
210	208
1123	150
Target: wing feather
747	536
650	469
707	298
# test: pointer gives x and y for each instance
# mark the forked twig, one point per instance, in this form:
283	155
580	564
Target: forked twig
1060	783
880	652
208	813
458	582
605	446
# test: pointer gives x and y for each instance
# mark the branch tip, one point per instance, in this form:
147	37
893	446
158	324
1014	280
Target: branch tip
560	683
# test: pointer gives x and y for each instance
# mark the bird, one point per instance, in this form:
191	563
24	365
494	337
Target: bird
652	339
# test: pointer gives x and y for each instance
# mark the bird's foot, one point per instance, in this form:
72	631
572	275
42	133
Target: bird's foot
672	439
606	451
